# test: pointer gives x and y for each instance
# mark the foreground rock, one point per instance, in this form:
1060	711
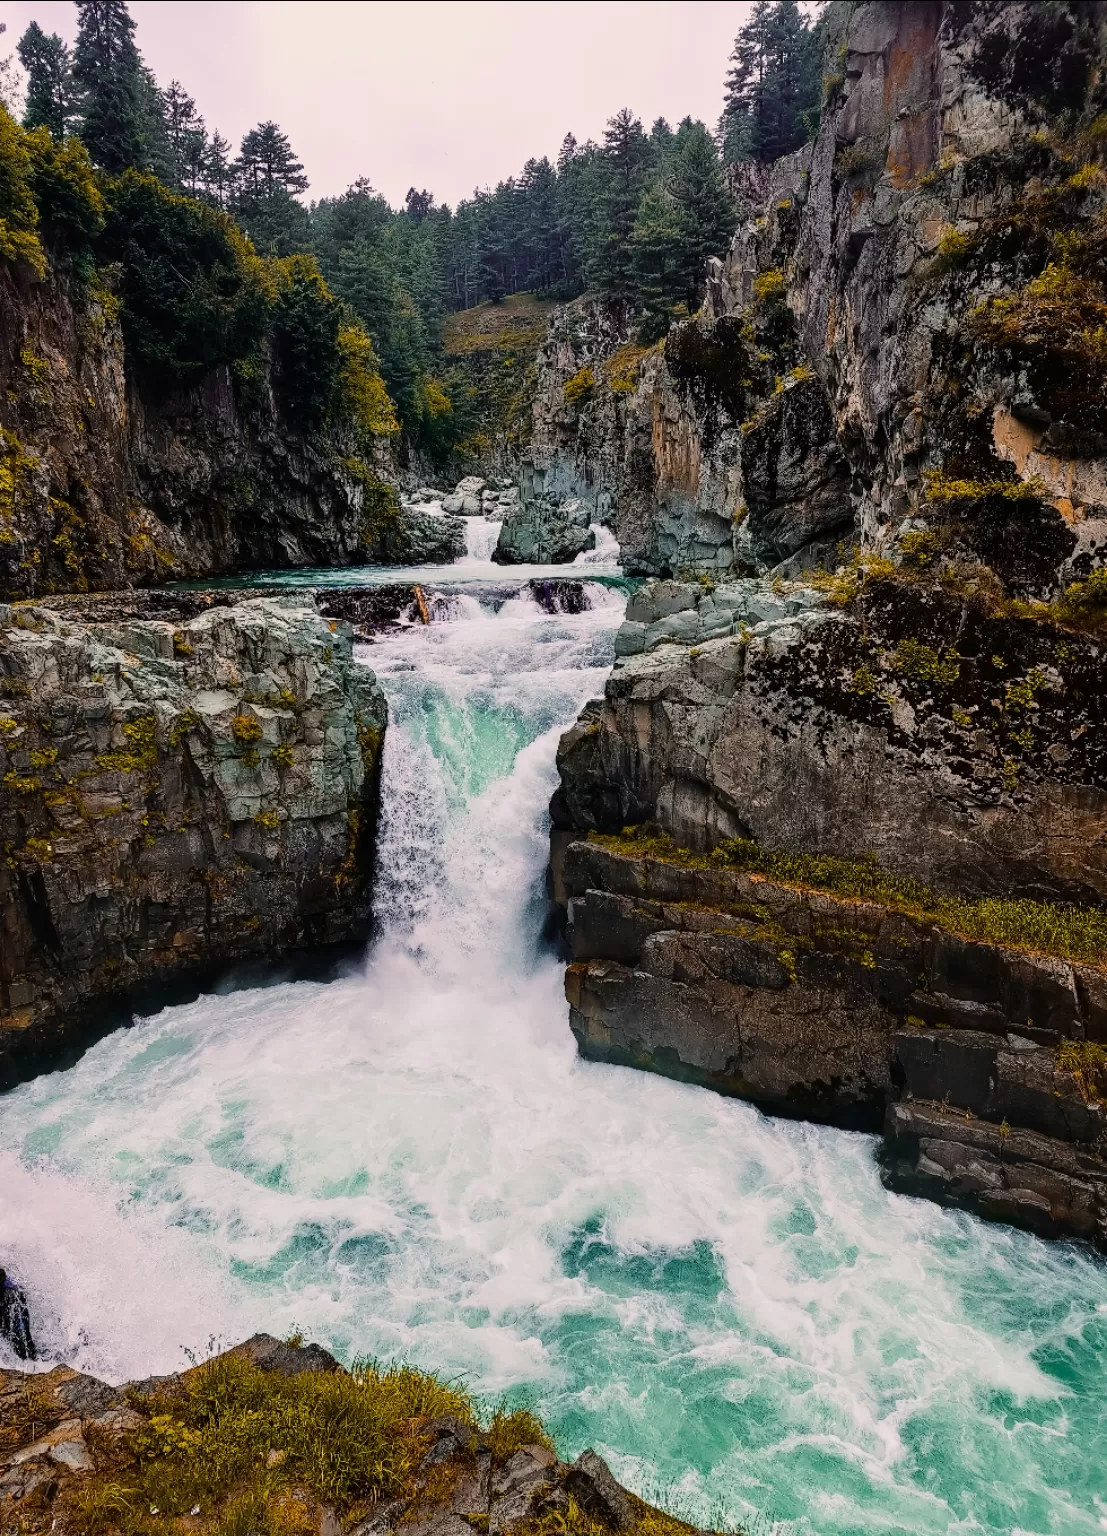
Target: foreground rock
175	797
367	1454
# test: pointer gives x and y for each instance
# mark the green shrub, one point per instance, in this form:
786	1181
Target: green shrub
364	396
578	389
194	294
19	241
70	202
306	324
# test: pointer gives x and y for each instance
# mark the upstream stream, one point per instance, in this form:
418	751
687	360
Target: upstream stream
411	1161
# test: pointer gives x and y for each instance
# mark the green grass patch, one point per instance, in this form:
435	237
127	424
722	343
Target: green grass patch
1052	928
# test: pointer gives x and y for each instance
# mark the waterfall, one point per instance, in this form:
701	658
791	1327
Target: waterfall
412	1161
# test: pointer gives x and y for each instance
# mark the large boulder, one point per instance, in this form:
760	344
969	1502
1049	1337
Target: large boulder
543	533
175	797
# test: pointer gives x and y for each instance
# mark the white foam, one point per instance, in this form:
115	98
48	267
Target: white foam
605	551
414	1161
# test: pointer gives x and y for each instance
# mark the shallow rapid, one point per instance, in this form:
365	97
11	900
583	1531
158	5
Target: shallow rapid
411	1161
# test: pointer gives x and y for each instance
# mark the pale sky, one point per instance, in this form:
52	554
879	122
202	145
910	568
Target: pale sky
443	96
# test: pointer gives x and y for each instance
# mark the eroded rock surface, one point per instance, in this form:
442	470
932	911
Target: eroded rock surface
175	797
70	1444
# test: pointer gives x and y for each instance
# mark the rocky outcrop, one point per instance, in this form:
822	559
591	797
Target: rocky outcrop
899	337
870	875
541	532
106	482
983	1060
74	1450
175	797
934	948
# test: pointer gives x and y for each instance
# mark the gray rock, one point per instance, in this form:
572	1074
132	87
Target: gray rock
538	533
178	797
270	1354
590	1482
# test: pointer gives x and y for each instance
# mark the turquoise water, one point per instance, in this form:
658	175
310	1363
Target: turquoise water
411	1161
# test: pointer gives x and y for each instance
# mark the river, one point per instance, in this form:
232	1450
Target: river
412	1161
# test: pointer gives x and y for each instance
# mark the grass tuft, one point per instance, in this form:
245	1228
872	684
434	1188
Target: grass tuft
1040	927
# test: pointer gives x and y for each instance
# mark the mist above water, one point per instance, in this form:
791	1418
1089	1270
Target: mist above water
413	1161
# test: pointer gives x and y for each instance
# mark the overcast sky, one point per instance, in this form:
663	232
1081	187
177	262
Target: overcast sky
443	96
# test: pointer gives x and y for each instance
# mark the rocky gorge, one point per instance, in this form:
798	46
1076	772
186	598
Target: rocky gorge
834	838
827	837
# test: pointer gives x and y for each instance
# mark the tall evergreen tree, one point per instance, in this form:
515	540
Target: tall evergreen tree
183	127
218	177
107	72
267	179
773	84
706	210
267	165
49	88
626	156
660	261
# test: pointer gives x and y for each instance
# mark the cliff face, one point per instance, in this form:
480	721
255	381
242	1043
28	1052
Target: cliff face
849	371
176	797
105	482
898	352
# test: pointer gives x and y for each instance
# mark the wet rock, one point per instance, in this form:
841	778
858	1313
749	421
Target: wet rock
540	532
850	1012
176	797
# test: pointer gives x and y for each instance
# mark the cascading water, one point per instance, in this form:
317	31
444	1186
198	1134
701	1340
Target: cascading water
481	535
412	1161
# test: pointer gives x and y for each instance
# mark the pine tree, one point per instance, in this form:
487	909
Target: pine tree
218	177
625	160
267	178
659	260
418	204
49	89
183	127
772	86
107	72
706	211
267	165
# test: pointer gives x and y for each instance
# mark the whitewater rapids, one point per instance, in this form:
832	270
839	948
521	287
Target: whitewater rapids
411	1161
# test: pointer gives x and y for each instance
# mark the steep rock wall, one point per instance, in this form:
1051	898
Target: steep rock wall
915	726
175	797
106	483
957	142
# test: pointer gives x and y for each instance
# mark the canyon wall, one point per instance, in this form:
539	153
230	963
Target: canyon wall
107	482
179	794
876	459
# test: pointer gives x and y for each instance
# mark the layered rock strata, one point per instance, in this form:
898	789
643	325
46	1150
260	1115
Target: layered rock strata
176	797
963	780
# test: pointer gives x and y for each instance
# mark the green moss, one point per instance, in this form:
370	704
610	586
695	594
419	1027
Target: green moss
246	729
21	784
579	389
1054	928
186	721
943	487
142	753
925	665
